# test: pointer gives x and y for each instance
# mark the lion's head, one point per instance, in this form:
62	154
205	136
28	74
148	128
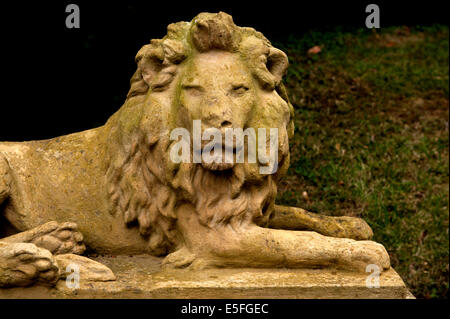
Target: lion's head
210	70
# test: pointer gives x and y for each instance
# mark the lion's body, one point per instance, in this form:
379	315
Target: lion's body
63	179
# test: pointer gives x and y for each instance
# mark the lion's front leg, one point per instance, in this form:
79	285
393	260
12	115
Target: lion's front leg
293	218
258	247
254	246
58	238
306	249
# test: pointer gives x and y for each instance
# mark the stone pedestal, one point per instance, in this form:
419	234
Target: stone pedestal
142	277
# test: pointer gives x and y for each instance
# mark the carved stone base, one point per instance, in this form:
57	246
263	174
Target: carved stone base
142	277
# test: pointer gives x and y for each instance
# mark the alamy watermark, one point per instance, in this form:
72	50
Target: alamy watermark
73	19
226	149
373	280
73	279
373	19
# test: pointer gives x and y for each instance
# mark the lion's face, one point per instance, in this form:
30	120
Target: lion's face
217	89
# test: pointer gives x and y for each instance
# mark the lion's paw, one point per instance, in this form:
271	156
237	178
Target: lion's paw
364	253
180	258
22	264
184	258
59	239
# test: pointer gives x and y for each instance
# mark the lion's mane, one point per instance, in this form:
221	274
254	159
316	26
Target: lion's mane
143	185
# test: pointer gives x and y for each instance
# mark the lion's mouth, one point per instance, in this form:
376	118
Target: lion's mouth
217	166
219	161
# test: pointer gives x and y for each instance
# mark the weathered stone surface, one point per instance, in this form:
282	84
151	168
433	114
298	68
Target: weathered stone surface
89	270
142	277
120	188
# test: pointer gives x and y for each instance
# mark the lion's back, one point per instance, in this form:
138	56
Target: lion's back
52	179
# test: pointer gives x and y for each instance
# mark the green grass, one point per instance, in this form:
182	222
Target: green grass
371	140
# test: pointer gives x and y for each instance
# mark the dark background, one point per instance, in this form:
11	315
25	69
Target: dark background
58	81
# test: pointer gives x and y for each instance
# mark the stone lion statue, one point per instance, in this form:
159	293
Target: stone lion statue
116	190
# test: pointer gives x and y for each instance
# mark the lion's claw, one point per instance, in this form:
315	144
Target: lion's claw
359	254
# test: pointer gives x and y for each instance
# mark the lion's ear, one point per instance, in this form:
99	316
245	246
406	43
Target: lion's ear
158	64
277	64
150	59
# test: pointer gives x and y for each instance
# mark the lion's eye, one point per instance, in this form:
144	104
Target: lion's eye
193	89
240	89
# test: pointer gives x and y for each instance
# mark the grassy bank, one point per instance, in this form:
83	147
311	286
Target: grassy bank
371	140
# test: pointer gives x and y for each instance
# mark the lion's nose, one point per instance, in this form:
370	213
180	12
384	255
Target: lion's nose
220	120
226	124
